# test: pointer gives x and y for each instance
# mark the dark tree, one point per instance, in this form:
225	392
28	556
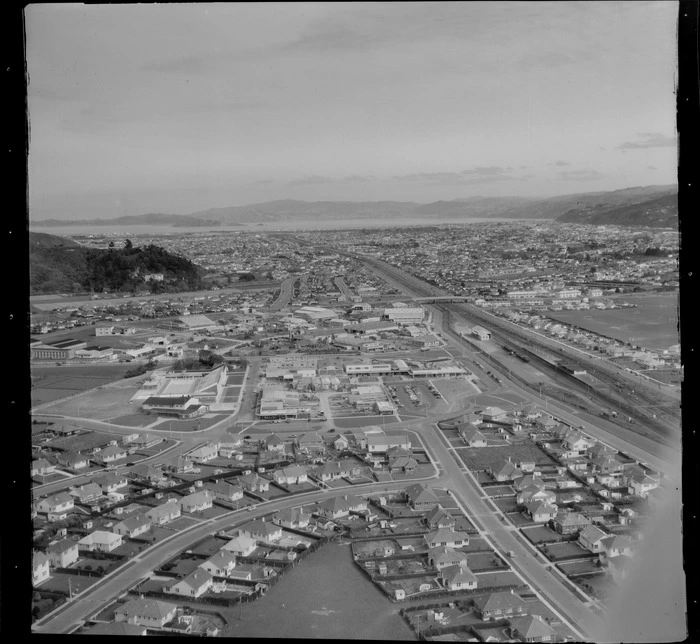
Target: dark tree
128	244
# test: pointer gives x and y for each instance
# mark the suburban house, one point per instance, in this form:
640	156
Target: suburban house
446	537
254	483
205	453
291	518
42	467
86	493
101	540
262	531
500	604
442	557
220	564
532	628
110	454
566	522
540	512
402	464
145	612
291	475
63	553
458	577
273	443
493	415
504	470
329	471
616	546
471	435
72	460
379	442
111	482
56	507
341	443
194	585
117	628
577	442
40	568
133	526
145	473
640	483
311	442
420	497
534	493
241	545
341	506
226	491
607	465
198	501
145	441
592	538
165	512
439	518
180	465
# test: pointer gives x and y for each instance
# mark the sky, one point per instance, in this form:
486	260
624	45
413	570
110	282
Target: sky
178	108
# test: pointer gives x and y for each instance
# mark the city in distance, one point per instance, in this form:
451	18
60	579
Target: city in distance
355	321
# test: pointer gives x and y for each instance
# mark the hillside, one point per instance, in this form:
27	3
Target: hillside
574	207
657	212
57	265
150	219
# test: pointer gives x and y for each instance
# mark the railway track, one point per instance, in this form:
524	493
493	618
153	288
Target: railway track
647	411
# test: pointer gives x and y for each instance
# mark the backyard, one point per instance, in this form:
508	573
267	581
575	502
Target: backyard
480	458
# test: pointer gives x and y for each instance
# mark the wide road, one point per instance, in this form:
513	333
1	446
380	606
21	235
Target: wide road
455	478
285	296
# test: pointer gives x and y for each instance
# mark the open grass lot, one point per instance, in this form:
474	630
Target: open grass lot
490	400
60	582
89	563
130	548
491	579
507	504
541	534
72	379
480	458
587	566
601	584
519	520
484	560
211	513
476	544
183	566
499	490
134	420
99	404
208	546
364	549
81	442
157	449
564	550
182	523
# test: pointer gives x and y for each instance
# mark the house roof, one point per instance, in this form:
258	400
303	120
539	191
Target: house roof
445	553
439	514
58	499
260	527
64	545
458	573
196	579
38	559
241	543
532	626
144	607
419	493
499	600
592	533
116	628
100	536
222	558
203	496
134	522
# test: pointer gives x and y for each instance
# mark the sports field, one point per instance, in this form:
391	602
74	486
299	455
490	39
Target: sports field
653	324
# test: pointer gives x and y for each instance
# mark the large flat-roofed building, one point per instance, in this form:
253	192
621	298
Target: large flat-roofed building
277	402
60	350
180	407
206	386
196	321
405	315
364	328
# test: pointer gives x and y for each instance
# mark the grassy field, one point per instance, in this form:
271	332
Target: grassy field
563	550
541	534
480	458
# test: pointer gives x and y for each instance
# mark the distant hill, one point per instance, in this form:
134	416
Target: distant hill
655	212
152	219
57	265
574	207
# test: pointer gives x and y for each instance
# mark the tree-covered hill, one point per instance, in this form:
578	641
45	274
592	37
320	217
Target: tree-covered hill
58	265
